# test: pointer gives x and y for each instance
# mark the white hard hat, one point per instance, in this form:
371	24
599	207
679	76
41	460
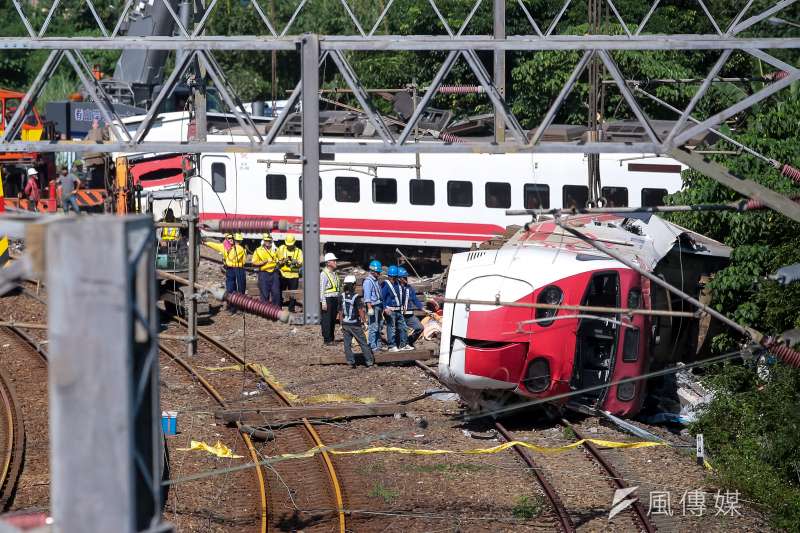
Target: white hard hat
350	278
32	172
330	257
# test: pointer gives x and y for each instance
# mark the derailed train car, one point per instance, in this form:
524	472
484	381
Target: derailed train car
497	350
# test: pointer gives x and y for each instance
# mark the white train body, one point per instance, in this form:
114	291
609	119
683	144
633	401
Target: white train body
445	200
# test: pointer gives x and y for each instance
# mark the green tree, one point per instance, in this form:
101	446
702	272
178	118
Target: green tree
751	425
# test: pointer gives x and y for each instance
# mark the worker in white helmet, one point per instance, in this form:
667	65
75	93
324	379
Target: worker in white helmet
329	290
352	317
32	191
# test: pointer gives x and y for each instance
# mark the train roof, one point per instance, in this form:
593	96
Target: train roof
345	125
646	239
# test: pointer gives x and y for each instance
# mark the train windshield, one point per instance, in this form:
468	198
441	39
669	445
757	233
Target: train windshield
597	338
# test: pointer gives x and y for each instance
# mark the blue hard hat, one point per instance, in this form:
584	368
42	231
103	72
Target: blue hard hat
402	272
375	265
393	271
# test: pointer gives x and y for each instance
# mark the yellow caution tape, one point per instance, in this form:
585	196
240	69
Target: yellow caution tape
477	451
219	449
274	383
338	398
264	372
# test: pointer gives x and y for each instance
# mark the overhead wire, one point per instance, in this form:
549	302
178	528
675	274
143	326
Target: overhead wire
525	404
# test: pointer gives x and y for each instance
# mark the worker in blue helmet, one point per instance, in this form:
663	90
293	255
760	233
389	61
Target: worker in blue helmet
374	305
409	303
396	334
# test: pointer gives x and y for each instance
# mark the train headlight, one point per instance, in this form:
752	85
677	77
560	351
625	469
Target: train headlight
551	295
626	391
537	377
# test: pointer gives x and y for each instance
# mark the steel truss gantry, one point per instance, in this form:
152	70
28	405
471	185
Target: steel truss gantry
459	44
745	33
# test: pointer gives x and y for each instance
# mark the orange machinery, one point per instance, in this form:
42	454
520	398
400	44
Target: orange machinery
15	164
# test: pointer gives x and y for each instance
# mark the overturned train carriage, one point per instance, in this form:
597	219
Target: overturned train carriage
496	350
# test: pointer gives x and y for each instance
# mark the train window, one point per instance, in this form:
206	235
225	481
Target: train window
615	196
347	189
301	188
536	196
498	194
276	186
421	192
653	197
218	181
459	193
384	190
630	346
575	196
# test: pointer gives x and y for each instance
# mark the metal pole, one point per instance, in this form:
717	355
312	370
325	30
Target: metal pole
499	67
200	103
105	456
309	46
191	304
185	16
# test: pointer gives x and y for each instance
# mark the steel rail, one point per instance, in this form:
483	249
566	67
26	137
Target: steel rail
558	506
616	478
33	343
12	466
14	444
335	485
214	393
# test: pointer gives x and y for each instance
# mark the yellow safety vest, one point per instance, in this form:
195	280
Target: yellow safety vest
169	234
265	258
232	258
333	283
296	255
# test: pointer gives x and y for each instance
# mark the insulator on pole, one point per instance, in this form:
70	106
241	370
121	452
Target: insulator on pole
246	225
777	75
785	353
256	307
752	204
790	172
450	138
461	89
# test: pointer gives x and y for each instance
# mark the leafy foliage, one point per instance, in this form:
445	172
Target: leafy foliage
751	426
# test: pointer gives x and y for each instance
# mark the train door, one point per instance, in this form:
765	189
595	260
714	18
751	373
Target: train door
217	194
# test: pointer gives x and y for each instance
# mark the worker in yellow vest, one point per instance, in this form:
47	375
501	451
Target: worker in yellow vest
269	280
290	261
330	288
233	257
169	234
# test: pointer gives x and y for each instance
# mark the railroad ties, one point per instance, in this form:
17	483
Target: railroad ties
301	493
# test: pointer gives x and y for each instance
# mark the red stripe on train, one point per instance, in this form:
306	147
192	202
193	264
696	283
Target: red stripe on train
395	227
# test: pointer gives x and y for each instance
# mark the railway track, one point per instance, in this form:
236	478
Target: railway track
218	398
24	471
12	435
553	485
614	476
320	494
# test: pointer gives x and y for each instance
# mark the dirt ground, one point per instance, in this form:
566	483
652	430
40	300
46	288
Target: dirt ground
386	491
456	492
